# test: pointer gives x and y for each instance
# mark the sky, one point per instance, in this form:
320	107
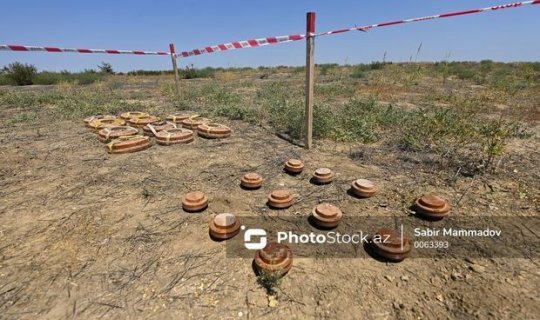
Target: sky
503	35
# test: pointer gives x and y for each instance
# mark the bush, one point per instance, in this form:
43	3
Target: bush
85	77
20	74
106	68
236	112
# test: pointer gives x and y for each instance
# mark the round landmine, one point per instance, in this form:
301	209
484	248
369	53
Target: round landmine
143	121
326	215
194	201
193	122
128	144
174	136
323	176
152	128
294	166
98	117
178	117
432	207
363	188
224	226
133	114
98	124
111	133
251	180
274	257
280	199
213	131
388	243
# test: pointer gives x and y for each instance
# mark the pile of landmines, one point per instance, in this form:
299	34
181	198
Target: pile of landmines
132	131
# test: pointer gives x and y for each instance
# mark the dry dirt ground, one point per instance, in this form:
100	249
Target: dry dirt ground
88	235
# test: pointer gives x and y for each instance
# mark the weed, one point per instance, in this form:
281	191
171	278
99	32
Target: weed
236	112
494	135
24	117
270	280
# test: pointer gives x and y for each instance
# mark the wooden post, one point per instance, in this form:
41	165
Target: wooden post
175	68
310	73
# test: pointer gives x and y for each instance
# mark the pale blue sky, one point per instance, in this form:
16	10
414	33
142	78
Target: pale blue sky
504	35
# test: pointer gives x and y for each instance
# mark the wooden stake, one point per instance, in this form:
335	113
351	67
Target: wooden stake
310	73
175	68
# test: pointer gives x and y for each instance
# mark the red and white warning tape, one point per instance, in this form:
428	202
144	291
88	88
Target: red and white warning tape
7	47
264	41
437	16
243	44
295	37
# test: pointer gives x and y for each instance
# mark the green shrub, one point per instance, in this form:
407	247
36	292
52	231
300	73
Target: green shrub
106	68
85	77
494	135
190	72
236	112
433	129
20	74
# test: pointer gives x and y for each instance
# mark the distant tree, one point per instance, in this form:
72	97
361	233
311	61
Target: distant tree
19	73
105	67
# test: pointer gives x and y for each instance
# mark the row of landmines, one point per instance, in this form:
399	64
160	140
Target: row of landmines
277	257
122	133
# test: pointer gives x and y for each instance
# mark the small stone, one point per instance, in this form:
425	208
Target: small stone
272	302
494	187
440	297
404	278
478	268
240	314
389	278
455	276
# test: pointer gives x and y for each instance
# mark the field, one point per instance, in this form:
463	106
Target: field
85	234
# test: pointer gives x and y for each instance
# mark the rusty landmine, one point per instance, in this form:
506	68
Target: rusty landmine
111	133
174	136
294	166
224	226
133	114
194	201
213	131
280	199
143	121
128	144
387	243
274	258
326	215
323	176
152	128
178	117
193	122
251	180
98	117
98	124
431	207
363	188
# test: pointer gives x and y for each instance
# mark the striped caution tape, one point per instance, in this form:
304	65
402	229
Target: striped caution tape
267	40
10	47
